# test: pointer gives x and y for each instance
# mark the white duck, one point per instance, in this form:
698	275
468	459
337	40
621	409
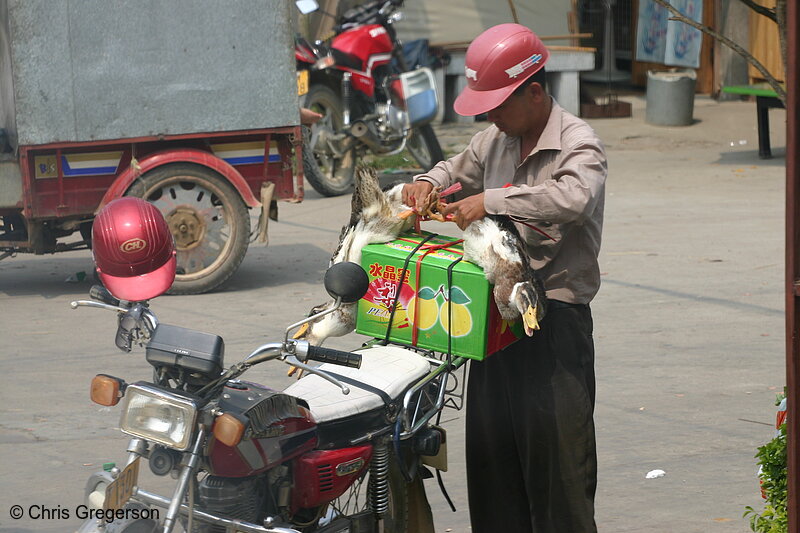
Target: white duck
375	217
494	244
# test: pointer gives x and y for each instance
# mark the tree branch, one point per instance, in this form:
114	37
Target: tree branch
761	10
678	16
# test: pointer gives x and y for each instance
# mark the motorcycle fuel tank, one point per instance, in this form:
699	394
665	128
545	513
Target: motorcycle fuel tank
371	44
278	427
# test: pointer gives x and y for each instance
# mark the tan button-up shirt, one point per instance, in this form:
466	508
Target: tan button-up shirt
559	188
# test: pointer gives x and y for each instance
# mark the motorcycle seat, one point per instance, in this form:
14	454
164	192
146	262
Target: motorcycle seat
386	373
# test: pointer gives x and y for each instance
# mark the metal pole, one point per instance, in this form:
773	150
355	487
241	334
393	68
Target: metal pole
513	11
792	270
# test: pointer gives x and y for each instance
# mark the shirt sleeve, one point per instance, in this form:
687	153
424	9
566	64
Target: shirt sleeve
465	168
569	195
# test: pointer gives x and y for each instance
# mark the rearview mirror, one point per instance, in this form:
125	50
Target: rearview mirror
307	6
347	281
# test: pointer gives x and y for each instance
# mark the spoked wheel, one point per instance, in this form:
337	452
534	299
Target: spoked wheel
207	218
424	147
356	500
330	164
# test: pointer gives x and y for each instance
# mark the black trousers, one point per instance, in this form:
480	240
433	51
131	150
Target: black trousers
530	443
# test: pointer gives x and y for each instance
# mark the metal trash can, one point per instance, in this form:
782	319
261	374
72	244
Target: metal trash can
670	97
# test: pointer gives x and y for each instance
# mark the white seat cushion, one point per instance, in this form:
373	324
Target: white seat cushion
391	369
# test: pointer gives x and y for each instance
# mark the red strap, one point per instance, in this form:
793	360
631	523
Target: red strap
428	249
534	228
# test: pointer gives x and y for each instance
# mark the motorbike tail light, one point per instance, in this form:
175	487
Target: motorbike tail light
106	390
228	430
324	62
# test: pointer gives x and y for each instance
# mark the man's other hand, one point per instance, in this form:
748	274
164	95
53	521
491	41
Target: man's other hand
416	195
466	211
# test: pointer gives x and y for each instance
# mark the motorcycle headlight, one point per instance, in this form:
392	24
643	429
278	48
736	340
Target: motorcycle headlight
158	416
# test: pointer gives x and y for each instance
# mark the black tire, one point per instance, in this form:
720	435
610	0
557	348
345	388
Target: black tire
396	520
327	172
424	147
208	219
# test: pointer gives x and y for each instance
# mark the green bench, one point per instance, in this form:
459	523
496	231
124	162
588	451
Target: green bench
766	98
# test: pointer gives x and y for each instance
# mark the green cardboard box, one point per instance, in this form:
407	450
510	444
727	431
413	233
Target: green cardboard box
428	303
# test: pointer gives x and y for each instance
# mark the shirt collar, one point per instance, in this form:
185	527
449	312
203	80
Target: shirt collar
550	139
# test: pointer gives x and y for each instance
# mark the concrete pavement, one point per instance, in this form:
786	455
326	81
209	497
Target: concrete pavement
689	332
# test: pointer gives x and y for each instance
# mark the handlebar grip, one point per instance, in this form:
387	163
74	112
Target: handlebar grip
336	357
100	293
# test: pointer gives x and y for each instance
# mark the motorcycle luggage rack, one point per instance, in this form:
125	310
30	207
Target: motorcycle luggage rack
426	398
433	391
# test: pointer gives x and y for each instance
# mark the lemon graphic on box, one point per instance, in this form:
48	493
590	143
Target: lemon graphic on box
428	308
456	307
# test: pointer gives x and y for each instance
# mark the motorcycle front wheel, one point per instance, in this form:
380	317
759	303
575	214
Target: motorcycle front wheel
424	147
327	163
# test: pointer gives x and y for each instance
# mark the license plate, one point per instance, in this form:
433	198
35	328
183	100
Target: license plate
302	82
121	489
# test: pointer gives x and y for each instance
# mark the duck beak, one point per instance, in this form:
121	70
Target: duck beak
530	320
298	335
301	332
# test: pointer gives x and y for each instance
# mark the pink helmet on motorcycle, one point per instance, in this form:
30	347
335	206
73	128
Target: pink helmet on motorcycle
497	62
133	249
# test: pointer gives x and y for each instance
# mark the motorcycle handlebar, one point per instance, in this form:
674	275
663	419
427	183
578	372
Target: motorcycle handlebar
100	293
336	357
367	13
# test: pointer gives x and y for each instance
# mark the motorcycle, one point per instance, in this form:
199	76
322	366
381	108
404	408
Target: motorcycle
368	103
248	458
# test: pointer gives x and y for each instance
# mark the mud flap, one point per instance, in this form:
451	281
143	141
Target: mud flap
269	210
420	516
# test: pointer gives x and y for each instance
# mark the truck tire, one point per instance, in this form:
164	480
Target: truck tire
424	147
207	217
328	173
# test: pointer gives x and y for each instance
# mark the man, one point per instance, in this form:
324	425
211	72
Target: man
531	460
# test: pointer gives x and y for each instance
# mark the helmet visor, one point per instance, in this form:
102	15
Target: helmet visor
141	287
471	102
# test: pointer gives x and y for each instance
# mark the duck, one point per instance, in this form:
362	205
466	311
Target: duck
493	243
376	216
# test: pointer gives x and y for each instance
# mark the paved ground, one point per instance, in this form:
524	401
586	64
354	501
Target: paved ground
689	331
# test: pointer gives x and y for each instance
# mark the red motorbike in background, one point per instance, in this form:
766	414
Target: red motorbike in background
370	98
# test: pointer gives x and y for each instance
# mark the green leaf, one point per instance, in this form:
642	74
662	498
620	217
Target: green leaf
457	296
426	293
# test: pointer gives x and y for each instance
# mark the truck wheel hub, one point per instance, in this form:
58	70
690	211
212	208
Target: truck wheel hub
187	227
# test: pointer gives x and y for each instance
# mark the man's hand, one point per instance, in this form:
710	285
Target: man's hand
466	211
416	195
309	117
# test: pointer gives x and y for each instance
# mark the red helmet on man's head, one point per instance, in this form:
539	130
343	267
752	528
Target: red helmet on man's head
497	62
133	249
